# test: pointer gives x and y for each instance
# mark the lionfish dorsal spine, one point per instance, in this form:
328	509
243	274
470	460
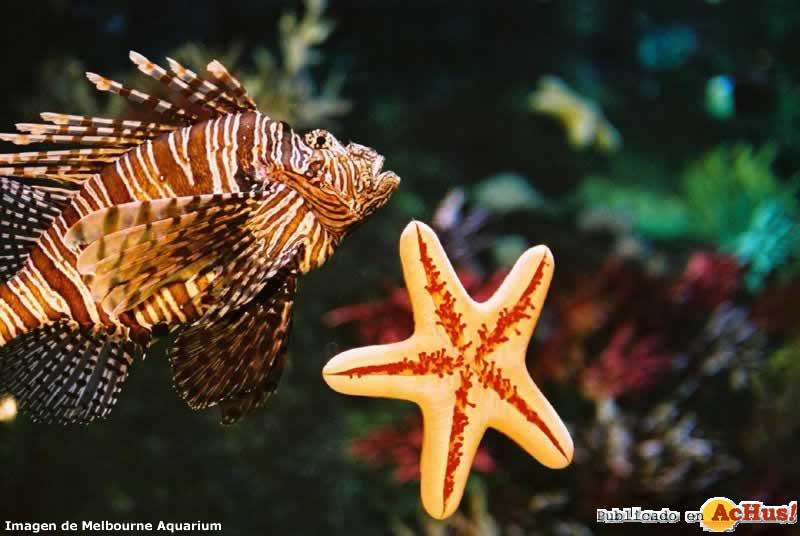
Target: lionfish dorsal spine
122	164
205	91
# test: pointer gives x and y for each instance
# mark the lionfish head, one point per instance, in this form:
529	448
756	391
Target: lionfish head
355	172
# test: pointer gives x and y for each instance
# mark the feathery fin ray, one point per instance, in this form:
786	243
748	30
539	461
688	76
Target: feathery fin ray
114	137
129	251
65	373
236	359
210	91
25	212
175	83
239	92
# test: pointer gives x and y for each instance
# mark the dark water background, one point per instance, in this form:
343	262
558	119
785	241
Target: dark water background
441	89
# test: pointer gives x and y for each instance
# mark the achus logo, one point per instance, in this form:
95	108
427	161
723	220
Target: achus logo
720	514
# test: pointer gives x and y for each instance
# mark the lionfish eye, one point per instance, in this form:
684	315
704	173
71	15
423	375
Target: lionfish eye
318	139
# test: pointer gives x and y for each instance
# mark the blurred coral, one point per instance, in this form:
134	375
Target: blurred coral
584	309
668	447
638	310
736	201
399	446
283	87
583	120
379	322
459	228
659	453
730	198
647	349
628	363
646	318
709	279
389	320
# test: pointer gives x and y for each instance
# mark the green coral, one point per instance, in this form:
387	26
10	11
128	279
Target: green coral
507	192
659	215
785	362
736	202
283	87
725	187
730	197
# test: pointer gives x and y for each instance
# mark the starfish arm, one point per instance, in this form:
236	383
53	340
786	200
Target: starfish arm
397	370
520	298
527	417
437	295
450	441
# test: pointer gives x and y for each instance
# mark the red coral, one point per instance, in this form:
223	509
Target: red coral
400	446
709	279
591	304
649	315
628	363
379	322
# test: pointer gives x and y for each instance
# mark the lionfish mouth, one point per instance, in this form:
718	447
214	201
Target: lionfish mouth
385	181
377	165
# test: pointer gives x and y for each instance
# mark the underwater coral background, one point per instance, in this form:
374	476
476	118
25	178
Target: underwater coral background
653	146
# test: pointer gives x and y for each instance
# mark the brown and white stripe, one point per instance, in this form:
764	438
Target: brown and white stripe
232	146
140	199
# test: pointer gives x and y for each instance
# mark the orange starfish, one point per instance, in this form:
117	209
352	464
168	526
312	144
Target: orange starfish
464	366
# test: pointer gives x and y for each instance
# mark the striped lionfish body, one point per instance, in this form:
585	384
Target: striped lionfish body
200	224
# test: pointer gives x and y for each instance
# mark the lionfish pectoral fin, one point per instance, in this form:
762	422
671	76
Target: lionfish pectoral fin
128	252
233	409
66	373
236	359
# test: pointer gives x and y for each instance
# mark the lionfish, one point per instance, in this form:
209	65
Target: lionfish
199	223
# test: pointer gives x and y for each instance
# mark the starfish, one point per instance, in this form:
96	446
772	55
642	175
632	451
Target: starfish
464	366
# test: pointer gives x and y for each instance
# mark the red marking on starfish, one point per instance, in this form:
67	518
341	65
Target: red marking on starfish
442	298
491	378
460	422
508	319
427	363
533	417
